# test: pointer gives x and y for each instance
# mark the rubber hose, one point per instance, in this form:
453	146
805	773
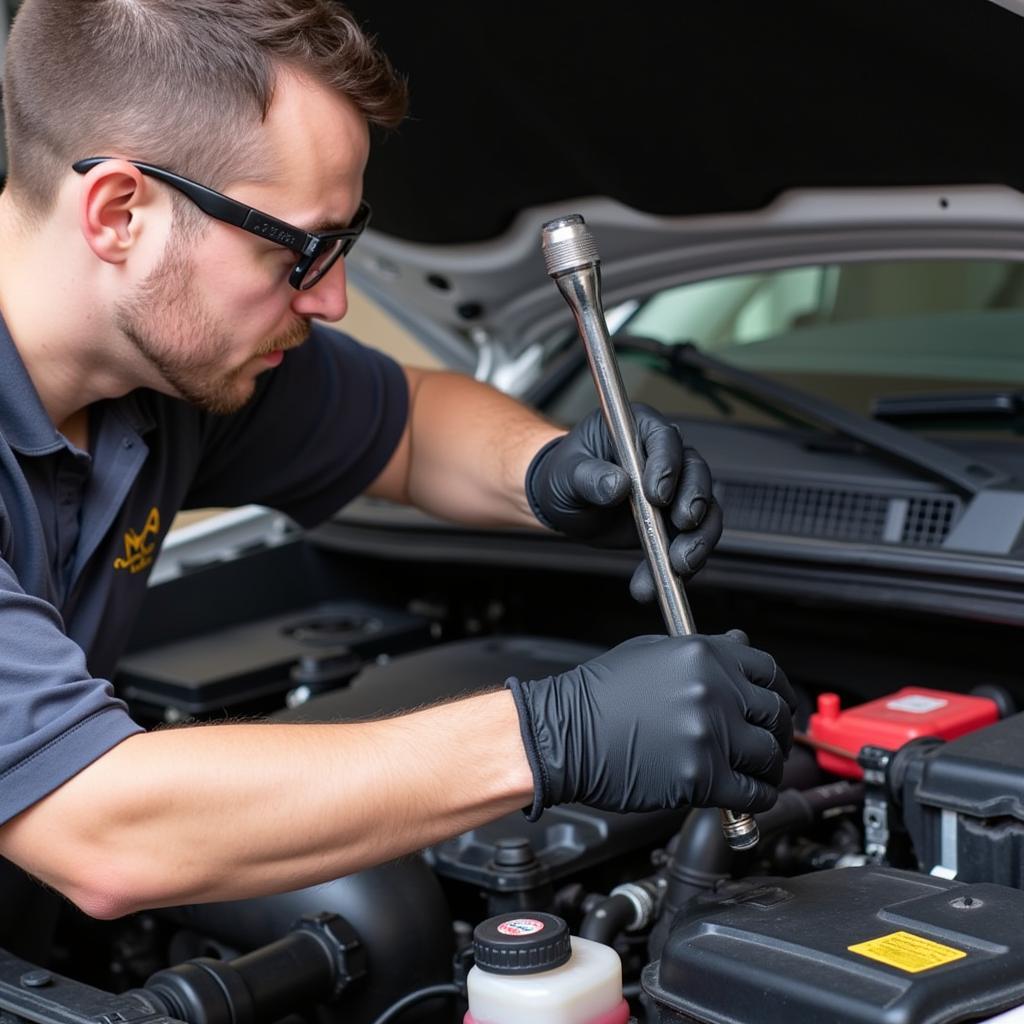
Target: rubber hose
418	996
607	919
699	856
797	808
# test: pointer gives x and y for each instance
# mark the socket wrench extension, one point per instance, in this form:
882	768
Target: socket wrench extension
570	254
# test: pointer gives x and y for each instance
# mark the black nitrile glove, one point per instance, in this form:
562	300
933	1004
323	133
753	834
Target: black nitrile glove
659	722
574	485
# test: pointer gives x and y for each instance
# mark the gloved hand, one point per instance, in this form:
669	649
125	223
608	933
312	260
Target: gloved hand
659	722
574	485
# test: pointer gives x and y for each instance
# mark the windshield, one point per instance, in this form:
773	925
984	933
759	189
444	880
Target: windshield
852	333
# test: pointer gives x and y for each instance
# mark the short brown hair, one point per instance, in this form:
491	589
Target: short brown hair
183	83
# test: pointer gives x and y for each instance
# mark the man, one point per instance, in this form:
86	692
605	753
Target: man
157	358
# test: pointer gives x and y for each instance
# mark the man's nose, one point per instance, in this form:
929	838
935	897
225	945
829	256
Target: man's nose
327	299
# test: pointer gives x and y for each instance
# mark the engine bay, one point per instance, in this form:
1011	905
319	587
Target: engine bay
887	885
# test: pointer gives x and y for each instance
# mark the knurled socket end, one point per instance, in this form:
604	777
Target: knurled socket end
568	245
740	831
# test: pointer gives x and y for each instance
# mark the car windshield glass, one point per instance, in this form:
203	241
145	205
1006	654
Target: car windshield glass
852	333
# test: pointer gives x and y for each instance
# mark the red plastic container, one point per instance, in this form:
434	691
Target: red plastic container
892	721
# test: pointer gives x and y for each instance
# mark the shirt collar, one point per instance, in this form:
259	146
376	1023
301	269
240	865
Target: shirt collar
25	423
137	408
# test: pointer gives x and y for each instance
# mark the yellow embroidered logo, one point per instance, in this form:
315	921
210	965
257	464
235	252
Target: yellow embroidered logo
140	548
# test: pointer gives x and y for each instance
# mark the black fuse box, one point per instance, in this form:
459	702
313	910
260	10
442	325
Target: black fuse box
849	946
962	803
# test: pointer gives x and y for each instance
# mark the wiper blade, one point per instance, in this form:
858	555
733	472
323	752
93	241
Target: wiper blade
988	405
967	475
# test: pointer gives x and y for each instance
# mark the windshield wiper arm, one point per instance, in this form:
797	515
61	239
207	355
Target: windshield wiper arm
967	475
986	405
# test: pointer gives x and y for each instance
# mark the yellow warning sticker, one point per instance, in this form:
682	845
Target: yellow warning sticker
908	952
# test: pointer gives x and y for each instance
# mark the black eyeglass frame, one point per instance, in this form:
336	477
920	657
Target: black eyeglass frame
308	245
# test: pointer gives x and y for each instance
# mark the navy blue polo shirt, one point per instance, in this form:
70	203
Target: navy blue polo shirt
79	531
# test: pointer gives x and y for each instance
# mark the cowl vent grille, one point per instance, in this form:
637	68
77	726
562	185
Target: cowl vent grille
838	513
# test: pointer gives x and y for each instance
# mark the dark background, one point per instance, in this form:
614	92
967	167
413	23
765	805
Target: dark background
686	107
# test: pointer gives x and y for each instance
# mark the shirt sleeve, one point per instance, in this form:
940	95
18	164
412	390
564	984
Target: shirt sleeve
55	719
318	430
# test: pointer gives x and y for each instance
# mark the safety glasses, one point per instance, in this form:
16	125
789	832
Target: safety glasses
317	252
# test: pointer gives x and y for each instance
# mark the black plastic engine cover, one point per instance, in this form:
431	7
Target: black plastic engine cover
768	950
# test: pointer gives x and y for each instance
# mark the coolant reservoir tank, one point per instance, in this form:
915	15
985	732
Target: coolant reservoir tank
530	970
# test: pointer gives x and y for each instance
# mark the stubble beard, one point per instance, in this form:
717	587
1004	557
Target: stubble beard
167	323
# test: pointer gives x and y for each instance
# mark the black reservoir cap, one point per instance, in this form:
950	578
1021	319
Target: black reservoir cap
521	943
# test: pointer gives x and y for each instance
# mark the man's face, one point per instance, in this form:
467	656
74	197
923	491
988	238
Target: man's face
170	322
218	310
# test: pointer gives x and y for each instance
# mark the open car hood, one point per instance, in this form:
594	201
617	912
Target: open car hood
697	138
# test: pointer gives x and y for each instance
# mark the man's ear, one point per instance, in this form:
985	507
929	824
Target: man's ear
112	197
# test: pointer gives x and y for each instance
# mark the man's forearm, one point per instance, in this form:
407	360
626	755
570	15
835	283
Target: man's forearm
231	811
466	451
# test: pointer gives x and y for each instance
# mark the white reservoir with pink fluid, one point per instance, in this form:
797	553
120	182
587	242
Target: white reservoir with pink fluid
529	970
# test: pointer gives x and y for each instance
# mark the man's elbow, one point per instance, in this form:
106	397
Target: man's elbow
79	840
97	885
103	900
101	878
